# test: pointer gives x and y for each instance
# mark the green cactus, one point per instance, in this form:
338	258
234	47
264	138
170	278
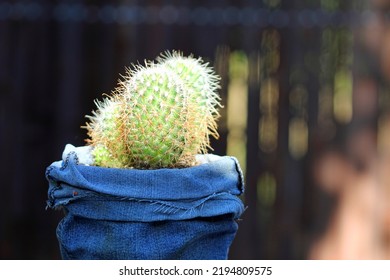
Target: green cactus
161	115
104	130
201	84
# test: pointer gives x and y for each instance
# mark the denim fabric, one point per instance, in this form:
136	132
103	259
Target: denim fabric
187	213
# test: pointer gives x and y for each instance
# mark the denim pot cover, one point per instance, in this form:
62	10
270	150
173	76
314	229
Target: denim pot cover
187	213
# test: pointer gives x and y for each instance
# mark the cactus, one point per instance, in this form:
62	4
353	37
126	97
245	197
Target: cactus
201	84
104	130
160	115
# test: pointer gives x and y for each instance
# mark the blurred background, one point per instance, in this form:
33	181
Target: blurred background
305	88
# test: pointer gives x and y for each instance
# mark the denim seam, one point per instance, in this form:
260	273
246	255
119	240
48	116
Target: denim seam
167	208
51	201
65	201
163	207
241	182
67	160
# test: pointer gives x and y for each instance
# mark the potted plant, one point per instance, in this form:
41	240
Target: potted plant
144	187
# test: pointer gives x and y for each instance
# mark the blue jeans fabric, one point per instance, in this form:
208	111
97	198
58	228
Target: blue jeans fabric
187	213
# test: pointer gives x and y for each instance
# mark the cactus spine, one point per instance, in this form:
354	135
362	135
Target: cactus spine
160	115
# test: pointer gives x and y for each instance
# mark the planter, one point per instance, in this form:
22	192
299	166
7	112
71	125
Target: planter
187	213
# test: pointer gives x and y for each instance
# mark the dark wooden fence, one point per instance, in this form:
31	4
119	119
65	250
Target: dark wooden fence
288	72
